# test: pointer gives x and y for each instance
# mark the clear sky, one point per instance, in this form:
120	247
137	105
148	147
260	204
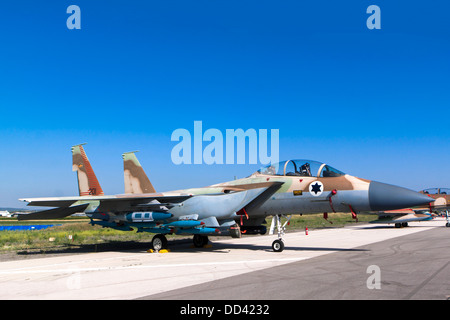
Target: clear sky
372	103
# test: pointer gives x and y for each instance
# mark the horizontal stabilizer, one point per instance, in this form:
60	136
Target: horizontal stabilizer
53	213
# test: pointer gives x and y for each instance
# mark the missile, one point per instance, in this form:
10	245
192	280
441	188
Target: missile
198	231
184	223
107	224
155	230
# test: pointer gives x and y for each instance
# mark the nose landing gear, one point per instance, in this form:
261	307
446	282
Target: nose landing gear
447	217
278	245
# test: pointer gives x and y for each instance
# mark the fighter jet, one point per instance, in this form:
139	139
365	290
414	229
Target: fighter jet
400	218
441	204
441	197
231	208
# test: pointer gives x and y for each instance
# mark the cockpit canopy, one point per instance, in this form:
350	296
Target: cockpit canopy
305	168
436	191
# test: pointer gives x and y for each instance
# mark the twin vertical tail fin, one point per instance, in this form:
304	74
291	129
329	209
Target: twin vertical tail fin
136	181
88	184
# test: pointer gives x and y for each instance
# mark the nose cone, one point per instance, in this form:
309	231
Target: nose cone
384	196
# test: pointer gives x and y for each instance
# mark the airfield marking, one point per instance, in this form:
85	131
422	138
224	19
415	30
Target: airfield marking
87	276
63	263
425	282
72	270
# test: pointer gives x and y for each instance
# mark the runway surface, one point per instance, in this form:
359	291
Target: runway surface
413	263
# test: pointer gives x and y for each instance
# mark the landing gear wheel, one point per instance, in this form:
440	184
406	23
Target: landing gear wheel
159	242
278	245
447	217
200	241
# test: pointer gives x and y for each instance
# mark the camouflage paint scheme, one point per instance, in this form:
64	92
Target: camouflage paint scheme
136	181
441	197
400	218
88	184
229	208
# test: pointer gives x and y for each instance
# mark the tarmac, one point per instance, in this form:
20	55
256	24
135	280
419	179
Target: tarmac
361	261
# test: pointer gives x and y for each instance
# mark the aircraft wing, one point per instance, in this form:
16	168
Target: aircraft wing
402	215
398	212
259	200
66	206
248	186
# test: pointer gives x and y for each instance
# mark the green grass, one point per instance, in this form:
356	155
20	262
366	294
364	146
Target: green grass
83	234
68	235
315	221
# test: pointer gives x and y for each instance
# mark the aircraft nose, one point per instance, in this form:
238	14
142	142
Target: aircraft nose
383	196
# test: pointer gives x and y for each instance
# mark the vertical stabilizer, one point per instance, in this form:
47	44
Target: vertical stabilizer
88	184
136	181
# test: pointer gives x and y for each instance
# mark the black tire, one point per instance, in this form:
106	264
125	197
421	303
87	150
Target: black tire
235	231
159	242
278	245
200	241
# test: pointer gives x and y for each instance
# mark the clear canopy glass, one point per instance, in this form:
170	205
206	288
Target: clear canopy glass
301	167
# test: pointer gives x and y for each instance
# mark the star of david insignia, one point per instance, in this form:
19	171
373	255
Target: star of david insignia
316	188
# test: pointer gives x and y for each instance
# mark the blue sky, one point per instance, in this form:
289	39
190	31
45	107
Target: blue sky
372	103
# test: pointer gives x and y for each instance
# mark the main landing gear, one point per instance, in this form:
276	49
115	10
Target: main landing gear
278	245
200	241
401	225
159	241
